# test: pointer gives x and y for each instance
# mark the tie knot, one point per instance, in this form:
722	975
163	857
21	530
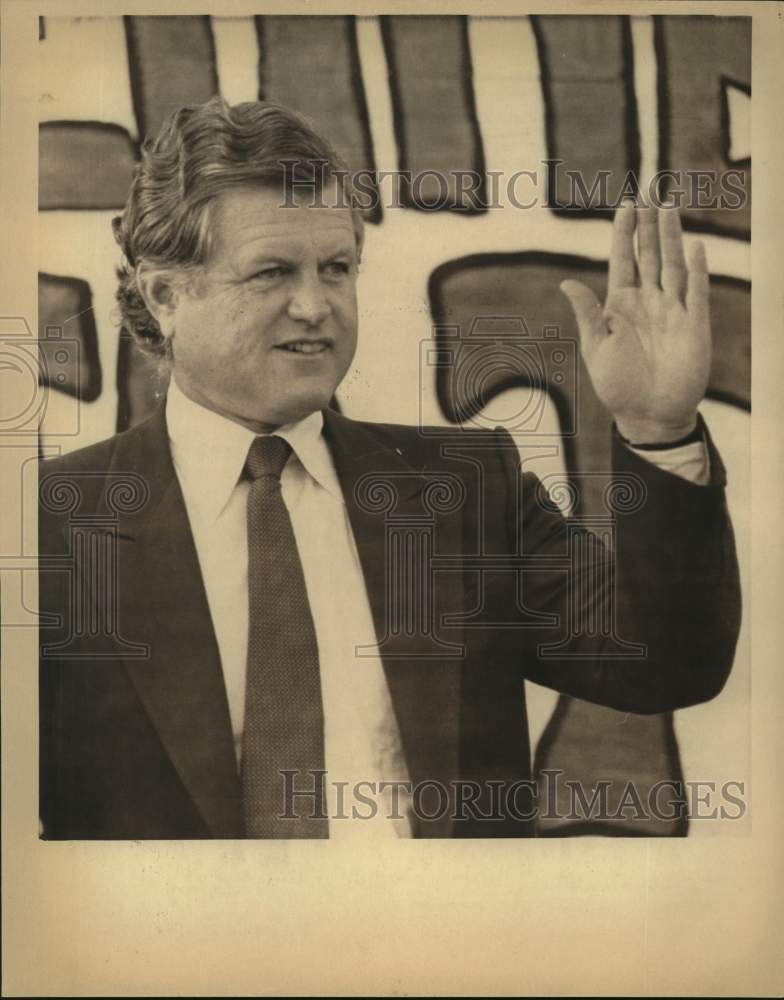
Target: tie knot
267	456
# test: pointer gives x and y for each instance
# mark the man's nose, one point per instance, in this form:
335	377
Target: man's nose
309	303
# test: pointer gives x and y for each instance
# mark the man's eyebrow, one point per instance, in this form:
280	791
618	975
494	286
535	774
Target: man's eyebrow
346	249
271	249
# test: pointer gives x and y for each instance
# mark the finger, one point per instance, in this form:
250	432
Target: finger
698	284
588	313
673	261
648	245
623	271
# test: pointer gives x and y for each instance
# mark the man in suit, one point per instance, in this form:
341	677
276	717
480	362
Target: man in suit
263	619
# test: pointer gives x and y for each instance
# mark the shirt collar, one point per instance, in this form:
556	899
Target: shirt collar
308	445
209	451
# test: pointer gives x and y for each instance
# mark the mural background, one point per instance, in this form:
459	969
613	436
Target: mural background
432	93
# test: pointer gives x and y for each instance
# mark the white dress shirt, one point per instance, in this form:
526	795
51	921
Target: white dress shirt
361	737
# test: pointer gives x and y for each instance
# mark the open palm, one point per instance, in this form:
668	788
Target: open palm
648	351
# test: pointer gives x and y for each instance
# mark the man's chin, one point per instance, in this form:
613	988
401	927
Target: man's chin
292	411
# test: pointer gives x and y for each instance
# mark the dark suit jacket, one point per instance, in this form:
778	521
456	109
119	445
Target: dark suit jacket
136	739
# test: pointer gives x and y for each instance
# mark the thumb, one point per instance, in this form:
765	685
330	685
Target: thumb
587	312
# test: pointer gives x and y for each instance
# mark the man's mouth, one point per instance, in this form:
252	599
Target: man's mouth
306	346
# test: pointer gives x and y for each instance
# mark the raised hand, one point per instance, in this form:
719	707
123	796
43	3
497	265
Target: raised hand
648	352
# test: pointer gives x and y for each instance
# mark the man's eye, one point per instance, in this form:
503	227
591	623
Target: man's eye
338	268
267	274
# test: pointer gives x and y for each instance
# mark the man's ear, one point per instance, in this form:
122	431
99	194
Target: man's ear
160	291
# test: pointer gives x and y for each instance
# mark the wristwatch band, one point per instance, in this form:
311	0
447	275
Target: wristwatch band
691	438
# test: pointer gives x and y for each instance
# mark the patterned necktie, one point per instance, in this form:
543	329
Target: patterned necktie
284	717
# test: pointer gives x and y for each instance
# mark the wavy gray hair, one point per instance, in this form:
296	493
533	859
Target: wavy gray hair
199	152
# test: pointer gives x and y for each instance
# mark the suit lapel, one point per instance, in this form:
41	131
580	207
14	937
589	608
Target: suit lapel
162	602
385	493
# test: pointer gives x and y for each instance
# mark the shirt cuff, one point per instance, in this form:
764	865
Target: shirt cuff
689	461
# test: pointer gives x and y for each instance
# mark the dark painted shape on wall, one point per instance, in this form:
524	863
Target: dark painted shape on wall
436	126
68	338
726	124
172	63
693	117
587	73
84	165
589	743
311	64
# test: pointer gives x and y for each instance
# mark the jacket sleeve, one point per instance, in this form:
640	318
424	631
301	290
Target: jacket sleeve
648	623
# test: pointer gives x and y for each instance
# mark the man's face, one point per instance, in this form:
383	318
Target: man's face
269	328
